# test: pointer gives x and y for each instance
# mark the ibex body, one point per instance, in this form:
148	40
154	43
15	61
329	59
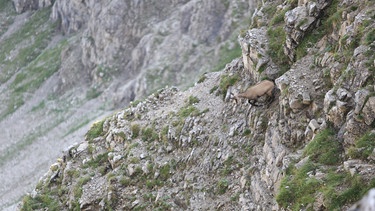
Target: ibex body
262	88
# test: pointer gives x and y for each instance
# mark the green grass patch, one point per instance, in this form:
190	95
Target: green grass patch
188	111
193	100
222	186
95	131
165	172
202	79
277	37
226	81
300	187
363	147
96	162
135	128
40	202
246	132
149	135
308	41
32	77
77	190
4	4
370	37
270	10
13	104
30	58
278	17
297	189
324	148
8	14
332	15
41	68
352	189
30	41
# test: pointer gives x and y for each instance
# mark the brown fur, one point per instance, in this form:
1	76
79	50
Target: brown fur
252	93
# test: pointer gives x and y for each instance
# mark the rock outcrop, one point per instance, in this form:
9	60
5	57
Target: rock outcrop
299	21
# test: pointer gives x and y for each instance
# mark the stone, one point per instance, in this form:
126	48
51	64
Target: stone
343	94
306	98
372	155
169	148
92	191
282	82
131	169
367	203
329	100
359	98
292	16
114	159
351	164
143	156
342	106
314	125
82	147
319	202
254	47
368	111
308	133
298	21
302	162
243	182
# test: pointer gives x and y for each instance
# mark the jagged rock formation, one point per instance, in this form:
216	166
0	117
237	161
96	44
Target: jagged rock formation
310	149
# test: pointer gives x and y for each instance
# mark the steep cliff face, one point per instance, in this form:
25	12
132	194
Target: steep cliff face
138	37
311	148
66	63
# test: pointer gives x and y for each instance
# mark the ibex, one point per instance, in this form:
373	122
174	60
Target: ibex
252	93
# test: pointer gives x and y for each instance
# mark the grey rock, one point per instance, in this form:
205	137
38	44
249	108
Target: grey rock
92	191
314	125
82	147
114	159
329	100
342	106
367	203
306	98
343	94
298	21
368	111
143	155
360	98
254	46
282	82
302	162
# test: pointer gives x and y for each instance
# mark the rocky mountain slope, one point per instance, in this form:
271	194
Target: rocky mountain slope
312	148
66	63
